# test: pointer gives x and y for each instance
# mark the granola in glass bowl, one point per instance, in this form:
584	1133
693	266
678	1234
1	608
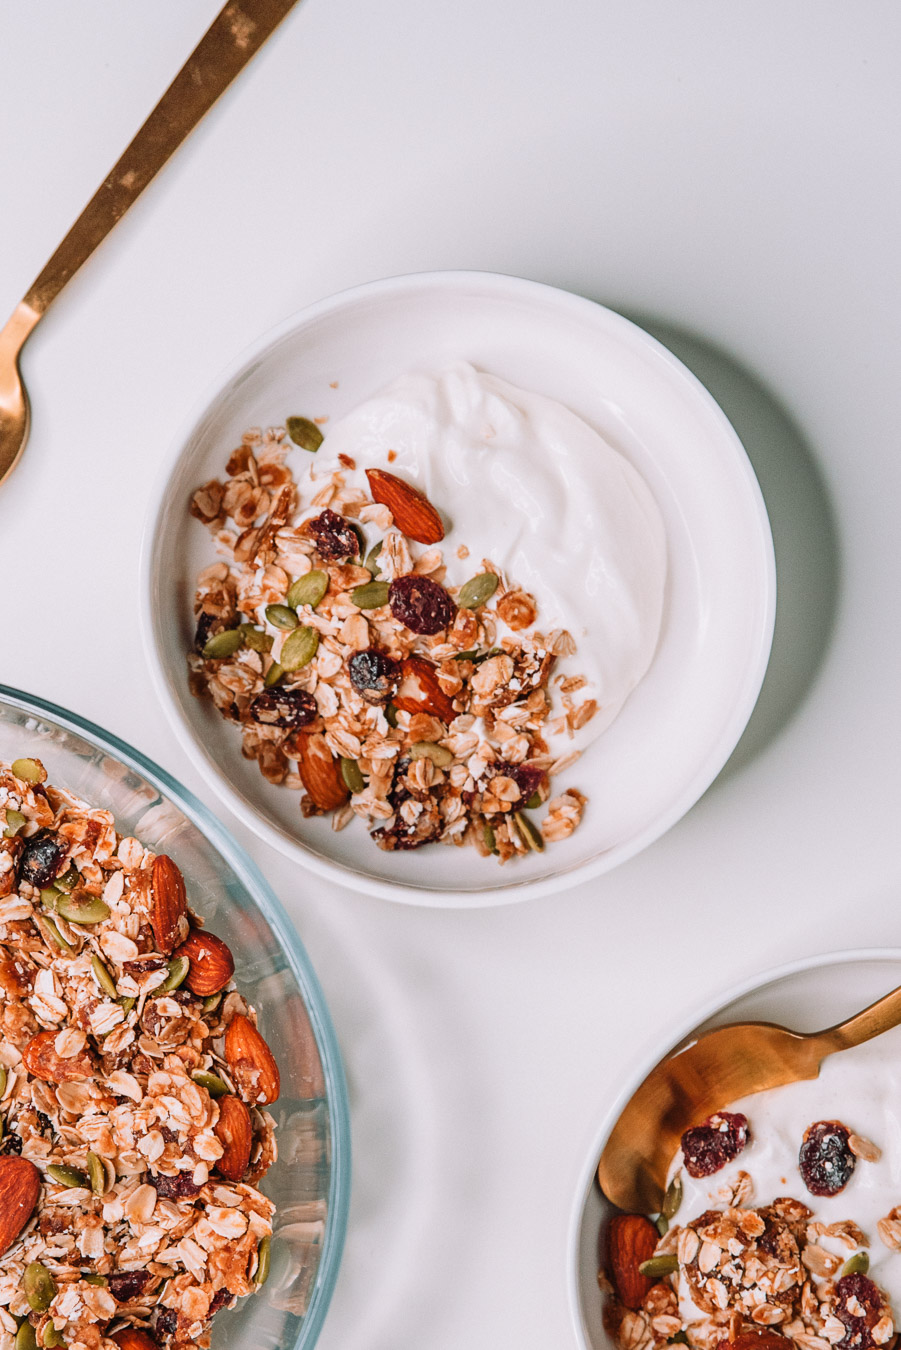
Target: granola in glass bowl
359	677
134	1090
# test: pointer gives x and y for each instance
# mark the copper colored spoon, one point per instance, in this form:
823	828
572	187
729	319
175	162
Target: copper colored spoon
704	1076
228	44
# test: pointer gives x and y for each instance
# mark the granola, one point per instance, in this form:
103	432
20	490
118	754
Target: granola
740	1276
361	679
133	1092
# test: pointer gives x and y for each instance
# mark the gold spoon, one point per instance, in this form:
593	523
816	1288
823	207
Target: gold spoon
704	1076
234	36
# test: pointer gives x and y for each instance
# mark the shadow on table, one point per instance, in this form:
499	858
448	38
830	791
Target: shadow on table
805	535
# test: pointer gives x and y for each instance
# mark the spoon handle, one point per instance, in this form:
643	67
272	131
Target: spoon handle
881	1016
236	33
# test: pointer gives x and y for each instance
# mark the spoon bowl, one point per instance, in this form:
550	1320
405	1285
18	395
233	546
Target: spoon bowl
706	1074
15	416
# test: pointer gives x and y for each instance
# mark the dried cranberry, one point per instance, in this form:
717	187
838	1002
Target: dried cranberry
826	1160
179	1187
219	1300
858	1292
709	1146
284	708
335	537
374	674
527	777
166	1322
43	857
421	604
125	1285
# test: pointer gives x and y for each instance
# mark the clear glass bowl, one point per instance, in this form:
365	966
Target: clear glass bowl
310	1183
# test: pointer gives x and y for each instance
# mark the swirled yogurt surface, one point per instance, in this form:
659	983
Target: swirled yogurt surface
521	480
860	1089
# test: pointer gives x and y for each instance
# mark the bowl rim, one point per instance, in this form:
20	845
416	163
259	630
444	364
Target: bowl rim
498	284
296	955
694	1018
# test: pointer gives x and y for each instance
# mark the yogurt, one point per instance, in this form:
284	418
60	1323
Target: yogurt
861	1089
521	480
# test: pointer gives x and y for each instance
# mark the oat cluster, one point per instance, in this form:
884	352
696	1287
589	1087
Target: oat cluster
424	709
132	1149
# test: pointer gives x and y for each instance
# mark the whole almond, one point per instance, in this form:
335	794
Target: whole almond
414	515
168	904
42	1061
320	772
419	690
235	1133
133	1338
252	1063
20	1186
631	1239
212	964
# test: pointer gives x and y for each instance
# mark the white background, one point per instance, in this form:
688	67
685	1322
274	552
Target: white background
724	173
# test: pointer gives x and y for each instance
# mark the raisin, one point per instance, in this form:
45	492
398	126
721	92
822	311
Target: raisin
826	1160
421	604
179	1187
709	1146
858	1292
166	1321
203	632
374	674
219	1300
284	708
125	1285
335	537
43	858
527	777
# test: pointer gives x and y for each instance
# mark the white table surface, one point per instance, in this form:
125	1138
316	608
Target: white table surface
725	173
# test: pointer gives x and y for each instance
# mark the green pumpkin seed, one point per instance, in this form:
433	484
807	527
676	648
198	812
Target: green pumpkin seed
477	590
67	1176
440	756
672	1199
467	656
215	1086
534	801
352	775
391	715
858	1264
49	897
99	1280
308	589
39	1286
211	1001
371	596
256	639
263	1263
662	1225
273	674
304	433
56	936
25	1337
488	836
103	977
280	616
530	835
178	969
484	656
2	1079
127	1004
658	1266
14	822
29	771
299	648
97	1174
82	908
50	1337
370	562
69	879
223	644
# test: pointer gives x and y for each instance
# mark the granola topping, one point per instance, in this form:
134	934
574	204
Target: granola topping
136	1145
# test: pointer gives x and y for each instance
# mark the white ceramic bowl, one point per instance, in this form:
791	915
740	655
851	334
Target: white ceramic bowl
807	995
682	722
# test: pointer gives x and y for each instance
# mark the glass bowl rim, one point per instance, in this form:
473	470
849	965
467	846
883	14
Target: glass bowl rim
250	876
